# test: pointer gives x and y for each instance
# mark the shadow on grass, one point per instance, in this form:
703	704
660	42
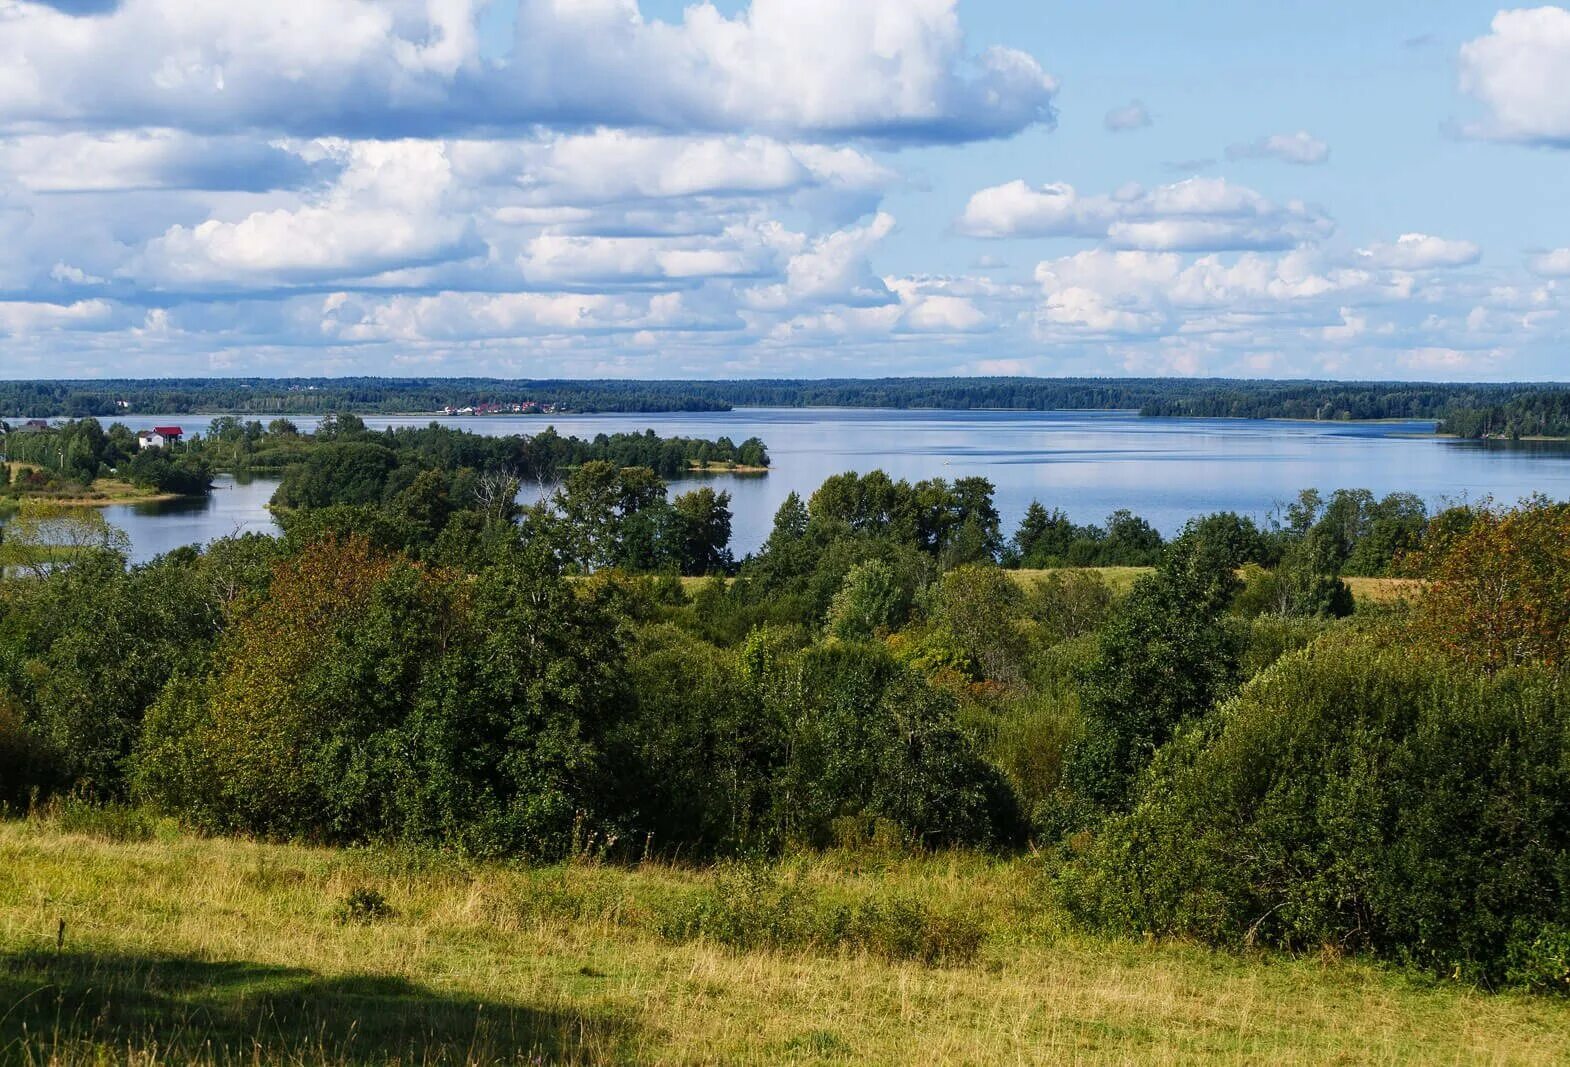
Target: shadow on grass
73	1007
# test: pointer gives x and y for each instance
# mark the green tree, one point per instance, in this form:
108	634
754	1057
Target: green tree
699	531
871	600
1164	657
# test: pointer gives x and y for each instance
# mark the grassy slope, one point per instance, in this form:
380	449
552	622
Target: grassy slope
183	949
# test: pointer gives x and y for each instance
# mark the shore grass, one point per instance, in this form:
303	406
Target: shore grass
134	943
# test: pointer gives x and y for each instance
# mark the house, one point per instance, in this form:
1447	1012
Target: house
159	436
35	425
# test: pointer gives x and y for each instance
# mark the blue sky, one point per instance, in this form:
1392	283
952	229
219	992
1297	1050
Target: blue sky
784	188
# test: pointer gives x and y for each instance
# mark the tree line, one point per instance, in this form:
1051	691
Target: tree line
1209	398
1230	751
1537	414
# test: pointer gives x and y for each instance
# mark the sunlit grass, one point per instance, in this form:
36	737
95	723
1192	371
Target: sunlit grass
177	949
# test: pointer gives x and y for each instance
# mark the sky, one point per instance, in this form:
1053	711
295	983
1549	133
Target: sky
784	188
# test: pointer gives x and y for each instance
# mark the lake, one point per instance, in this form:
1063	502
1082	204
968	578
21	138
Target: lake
1087	463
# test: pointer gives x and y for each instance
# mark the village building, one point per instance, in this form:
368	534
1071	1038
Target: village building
159	437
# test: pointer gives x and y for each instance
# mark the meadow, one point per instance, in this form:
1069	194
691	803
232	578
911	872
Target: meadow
124	940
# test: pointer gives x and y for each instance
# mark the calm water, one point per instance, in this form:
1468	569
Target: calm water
1088	463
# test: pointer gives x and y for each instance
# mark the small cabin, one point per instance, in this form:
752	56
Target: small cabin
159	436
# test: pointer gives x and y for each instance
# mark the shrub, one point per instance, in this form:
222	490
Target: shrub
868	737
1164	657
1499	590
23	764
362	907
1361	794
369	698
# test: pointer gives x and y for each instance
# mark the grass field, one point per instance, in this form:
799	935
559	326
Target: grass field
1121	579
175	949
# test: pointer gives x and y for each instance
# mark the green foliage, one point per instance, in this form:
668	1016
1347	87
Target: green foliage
362	907
1361	794
1048	540
367	698
1067	604
694	757
982	608
155	468
1164	657
871	600
871	739
337	472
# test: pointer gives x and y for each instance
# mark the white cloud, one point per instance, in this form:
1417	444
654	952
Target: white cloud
1520	72
125	160
831	269
1301	148
1198	214
384	212
1552	264
1420	251
30	316
1131	116
887	69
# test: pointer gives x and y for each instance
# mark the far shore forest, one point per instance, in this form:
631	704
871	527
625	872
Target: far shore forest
1504	411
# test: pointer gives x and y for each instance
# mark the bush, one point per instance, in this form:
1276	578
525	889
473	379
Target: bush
371	699
23	766
868	737
362	907
1499	591
1361	794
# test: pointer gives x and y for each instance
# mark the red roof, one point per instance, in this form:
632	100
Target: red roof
168	431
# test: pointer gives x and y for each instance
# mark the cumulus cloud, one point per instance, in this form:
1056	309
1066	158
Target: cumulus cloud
1199	214
1131	116
385	211
27	316
128	160
1520	73
1553	264
1420	251
1301	148
885	69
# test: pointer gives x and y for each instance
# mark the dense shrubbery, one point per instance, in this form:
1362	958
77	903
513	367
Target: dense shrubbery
1360	795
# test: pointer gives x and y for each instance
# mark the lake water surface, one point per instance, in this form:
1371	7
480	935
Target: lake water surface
1087	463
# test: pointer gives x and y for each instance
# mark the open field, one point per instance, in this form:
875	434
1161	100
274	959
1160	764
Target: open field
1121	579
177	949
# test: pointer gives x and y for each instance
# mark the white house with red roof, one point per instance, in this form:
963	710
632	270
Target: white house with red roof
159	436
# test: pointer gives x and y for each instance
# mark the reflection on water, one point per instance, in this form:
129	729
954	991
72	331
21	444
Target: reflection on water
1087	463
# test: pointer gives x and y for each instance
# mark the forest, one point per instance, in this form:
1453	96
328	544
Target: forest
1224	746
1539	414
1208	398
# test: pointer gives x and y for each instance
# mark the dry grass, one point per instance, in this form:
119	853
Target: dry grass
180	949
1120	579
1383	590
